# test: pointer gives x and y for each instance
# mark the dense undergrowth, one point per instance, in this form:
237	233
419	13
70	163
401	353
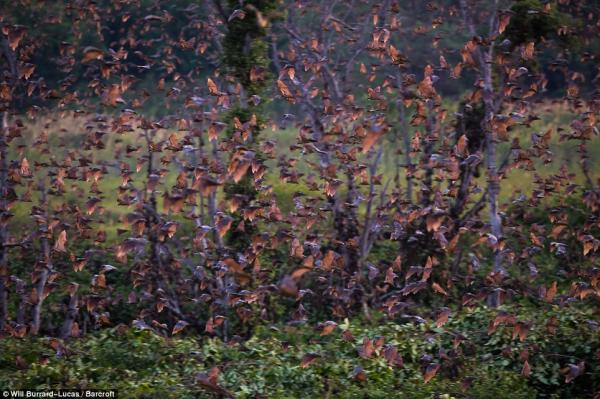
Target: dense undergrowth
296	361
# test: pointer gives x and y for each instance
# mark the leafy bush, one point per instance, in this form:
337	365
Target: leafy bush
143	364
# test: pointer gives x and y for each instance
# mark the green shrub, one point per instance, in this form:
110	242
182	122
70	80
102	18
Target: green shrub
141	364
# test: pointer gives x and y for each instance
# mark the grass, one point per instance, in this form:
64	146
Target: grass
66	134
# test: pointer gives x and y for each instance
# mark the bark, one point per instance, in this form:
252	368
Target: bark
466	174
427	186
403	127
152	224
21	291
72	312
45	265
4	273
365	241
345	225
212	206
585	164
485	60
493	180
195	161
11	61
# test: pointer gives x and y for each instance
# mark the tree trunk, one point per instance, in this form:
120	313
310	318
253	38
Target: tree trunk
45	264
485	59
152	224
403	126
493	189
430	138
212	206
12	71
3	230
72	311
21	292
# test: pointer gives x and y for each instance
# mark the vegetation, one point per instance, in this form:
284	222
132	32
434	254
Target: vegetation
298	361
272	198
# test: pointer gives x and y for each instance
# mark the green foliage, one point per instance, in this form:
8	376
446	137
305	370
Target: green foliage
531	22
246	57
245	46
138	364
143	364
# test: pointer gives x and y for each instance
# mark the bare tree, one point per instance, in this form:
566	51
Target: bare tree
485	62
